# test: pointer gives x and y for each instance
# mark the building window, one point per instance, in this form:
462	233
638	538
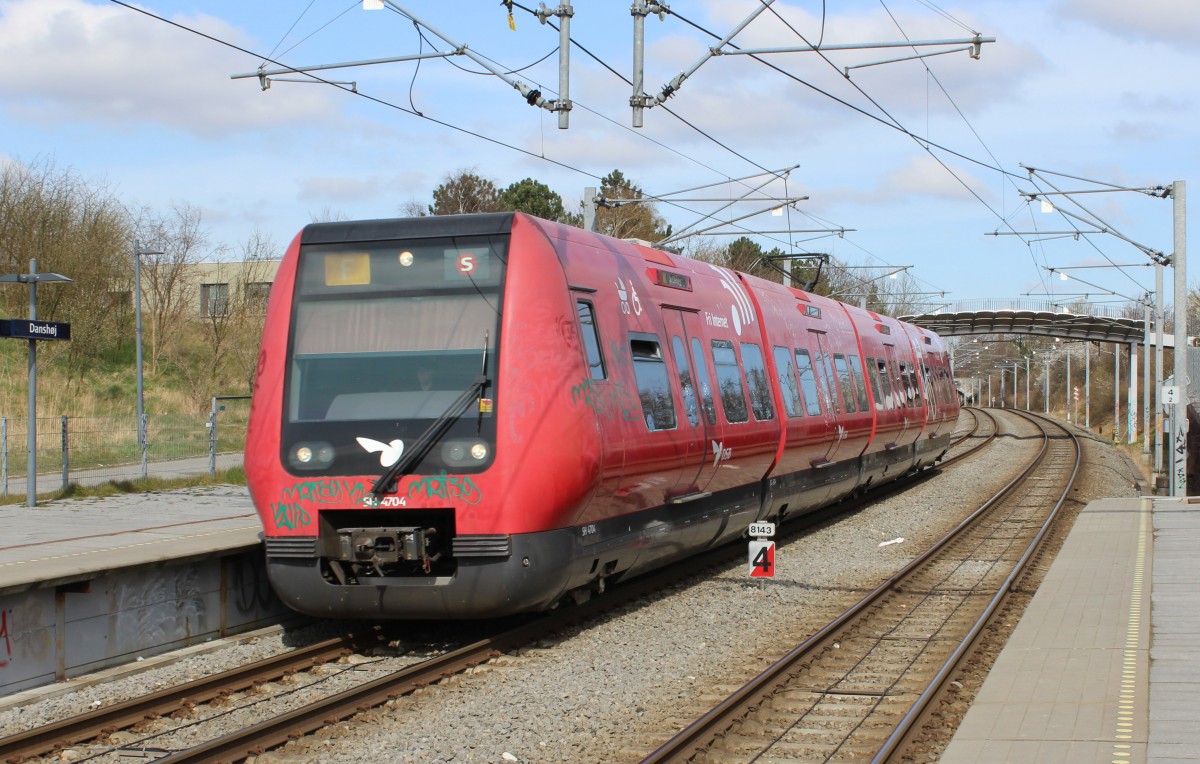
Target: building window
214	299
120	299
257	294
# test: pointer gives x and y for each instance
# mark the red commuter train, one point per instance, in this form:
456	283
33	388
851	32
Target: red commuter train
470	416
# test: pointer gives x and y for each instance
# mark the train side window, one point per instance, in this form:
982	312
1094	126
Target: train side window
932	394
907	381
873	375
808	383
706	396
825	378
786	370
885	382
844	382
756	378
654	388
860	384
591	338
685	380
897	384
729	380
916	384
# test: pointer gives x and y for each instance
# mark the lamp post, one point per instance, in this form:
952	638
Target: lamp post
1179	265
143	445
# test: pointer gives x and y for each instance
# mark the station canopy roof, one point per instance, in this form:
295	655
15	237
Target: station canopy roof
1033	322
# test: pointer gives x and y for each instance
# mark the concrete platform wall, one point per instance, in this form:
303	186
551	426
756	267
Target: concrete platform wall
59	632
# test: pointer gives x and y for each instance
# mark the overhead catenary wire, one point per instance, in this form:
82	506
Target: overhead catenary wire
925	143
561	163
346	88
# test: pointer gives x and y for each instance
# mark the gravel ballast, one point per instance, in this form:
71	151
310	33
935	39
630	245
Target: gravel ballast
608	691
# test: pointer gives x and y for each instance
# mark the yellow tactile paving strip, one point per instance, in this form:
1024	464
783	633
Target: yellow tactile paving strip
1072	684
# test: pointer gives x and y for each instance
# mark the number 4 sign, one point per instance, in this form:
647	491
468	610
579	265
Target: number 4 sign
762	559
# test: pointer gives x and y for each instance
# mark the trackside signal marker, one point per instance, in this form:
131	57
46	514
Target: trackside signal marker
762	559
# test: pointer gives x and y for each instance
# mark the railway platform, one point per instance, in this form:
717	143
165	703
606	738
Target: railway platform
1103	666
90	583
1105	663
60	541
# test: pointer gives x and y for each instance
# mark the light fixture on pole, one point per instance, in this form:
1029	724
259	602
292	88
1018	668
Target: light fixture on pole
143	445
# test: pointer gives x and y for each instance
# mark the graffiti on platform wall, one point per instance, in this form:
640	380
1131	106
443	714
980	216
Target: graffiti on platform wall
292	513
252	588
443	486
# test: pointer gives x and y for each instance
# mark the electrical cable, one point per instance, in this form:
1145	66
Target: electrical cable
389	104
354	4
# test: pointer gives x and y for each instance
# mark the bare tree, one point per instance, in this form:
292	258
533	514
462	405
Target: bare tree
169	298
327	214
413	209
260	259
465	192
71	227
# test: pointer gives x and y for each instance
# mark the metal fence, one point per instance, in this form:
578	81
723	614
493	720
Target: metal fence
94	450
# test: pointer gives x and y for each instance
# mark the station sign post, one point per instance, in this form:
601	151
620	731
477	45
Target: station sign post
762	551
33	331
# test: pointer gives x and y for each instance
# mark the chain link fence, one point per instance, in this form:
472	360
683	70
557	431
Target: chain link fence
94	450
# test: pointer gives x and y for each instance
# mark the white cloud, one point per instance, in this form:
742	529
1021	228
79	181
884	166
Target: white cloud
69	61
922	176
1172	22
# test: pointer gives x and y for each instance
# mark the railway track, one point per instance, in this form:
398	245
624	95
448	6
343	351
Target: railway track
390	683
858	688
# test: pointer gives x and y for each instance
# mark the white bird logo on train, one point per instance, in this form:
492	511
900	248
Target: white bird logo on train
389	453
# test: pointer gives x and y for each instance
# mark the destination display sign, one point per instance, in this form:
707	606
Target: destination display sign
28	329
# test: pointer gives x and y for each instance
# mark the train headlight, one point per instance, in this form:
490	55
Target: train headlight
406	259
465	453
311	456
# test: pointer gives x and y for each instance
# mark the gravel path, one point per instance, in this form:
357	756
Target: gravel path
606	693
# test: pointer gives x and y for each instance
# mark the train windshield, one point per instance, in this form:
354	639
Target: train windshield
385	336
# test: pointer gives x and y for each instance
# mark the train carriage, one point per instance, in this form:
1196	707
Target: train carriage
468	416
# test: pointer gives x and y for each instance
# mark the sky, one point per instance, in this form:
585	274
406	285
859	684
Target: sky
914	162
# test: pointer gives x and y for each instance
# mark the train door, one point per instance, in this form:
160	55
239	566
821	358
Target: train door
898	392
698	426
827	381
817	407
599	388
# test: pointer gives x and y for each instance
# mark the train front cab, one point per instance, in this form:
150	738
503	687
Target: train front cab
478	526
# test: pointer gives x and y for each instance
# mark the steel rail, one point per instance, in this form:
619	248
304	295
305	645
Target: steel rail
699	735
277	731
978	446
88	726
909	723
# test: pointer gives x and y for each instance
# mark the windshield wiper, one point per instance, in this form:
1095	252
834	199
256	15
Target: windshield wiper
414	454
420	448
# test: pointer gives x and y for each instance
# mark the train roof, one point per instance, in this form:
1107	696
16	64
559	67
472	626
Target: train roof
400	228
